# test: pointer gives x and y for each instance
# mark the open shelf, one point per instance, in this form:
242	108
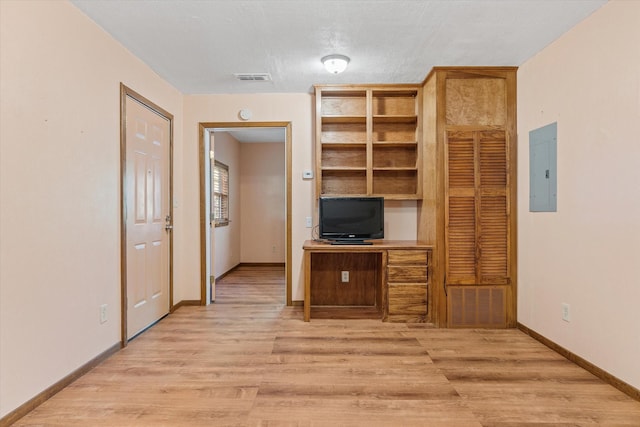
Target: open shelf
367	140
385	131
395	181
395	119
343	133
394	102
344	119
344	103
344	181
395	156
347	156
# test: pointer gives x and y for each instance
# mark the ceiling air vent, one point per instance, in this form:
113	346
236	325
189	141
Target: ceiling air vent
253	77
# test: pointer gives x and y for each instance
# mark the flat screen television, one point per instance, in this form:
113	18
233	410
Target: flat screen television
351	220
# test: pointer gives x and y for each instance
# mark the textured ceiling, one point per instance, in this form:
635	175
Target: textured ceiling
256	134
198	45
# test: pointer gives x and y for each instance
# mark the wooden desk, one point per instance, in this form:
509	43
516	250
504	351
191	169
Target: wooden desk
395	272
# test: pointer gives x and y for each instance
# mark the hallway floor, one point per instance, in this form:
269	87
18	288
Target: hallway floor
248	360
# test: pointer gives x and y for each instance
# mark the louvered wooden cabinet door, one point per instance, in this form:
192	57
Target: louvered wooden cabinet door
477	207
460	208
493	222
469	203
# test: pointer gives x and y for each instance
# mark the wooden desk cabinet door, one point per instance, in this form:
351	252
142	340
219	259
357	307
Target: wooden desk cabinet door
407	285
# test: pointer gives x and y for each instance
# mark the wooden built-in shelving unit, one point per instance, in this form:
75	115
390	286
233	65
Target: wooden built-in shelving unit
367	141
450	144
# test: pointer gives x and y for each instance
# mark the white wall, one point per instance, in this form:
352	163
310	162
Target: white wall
586	254
60	191
227	238
294	108
297	109
400	219
263	195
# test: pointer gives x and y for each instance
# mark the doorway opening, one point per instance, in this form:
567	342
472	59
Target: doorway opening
252	284
259	227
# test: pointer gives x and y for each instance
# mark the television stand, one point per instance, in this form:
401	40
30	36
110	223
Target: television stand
350	242
390	277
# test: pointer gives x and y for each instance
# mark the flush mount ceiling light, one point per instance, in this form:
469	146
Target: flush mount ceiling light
335	64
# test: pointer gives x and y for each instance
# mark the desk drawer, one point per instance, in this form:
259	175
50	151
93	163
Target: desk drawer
407	298
407	273
400	256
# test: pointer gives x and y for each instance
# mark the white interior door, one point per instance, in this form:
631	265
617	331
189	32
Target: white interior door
147	210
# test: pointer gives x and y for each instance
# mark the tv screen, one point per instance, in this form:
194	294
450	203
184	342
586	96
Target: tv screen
351	219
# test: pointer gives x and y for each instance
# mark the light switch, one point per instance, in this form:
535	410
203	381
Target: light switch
307	174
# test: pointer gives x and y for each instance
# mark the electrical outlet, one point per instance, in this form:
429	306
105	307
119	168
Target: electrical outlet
566	316
103	313
308	222
345	276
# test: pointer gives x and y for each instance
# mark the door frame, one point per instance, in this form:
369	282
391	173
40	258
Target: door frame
124	93
205	127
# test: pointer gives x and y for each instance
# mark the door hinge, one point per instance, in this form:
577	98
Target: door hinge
212	280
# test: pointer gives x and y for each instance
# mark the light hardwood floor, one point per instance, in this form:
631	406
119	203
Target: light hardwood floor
248	360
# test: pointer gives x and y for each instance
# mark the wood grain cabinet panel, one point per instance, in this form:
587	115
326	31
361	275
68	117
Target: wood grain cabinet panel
407	273
407	301
362	287
407	279
408	257
477	306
